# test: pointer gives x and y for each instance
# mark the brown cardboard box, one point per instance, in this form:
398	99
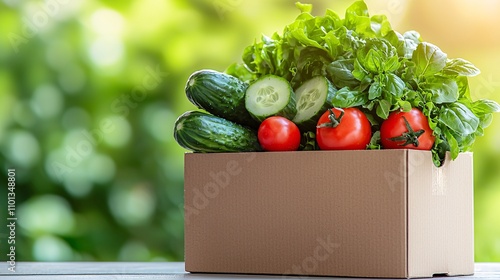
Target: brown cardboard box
387	213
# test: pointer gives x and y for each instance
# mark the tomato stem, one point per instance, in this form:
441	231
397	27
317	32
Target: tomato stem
334	121
410	137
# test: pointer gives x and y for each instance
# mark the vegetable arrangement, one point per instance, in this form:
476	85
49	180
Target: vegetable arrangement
332	83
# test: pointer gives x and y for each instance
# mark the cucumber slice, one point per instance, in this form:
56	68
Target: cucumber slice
270	96
314	97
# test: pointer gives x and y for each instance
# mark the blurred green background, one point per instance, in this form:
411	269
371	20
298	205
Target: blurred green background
89	92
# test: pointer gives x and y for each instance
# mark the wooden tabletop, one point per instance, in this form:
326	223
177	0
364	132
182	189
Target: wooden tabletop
165	270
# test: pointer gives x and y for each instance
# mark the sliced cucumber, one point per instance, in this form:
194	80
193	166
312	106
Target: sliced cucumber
314	97
270	96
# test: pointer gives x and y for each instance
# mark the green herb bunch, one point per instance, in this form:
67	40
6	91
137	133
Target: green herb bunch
376	69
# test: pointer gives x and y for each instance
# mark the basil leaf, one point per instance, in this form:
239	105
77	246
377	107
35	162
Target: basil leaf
383	109
405	44
394	85
340	73
460	119
464	141
462	67
483	107
371	60
378	55
485	121
374	141
443	90
375	91
429	59
386	85
345	98
360	72
374	120
452	142
463	87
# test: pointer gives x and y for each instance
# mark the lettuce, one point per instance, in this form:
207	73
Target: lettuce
377	69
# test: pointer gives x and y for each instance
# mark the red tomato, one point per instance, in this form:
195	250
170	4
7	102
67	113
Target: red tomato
278	134
352	132
406	130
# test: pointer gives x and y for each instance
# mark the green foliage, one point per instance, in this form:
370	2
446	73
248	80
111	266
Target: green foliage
361	53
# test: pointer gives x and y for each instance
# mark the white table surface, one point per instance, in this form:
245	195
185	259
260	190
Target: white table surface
167	270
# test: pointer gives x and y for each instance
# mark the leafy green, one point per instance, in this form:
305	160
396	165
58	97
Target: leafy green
394	85
345	98
459	66
459	118
375	141
442	90
377	69
305	8
411	40
383	108
483	107
308	141
428	59
356	17
340	73
377	56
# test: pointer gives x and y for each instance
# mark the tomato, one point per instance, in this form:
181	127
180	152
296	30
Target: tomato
348	131
278	134
406	130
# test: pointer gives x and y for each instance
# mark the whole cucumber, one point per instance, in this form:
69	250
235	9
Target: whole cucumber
202	132
220	94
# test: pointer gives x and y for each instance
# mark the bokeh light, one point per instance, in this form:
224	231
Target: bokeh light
22	148
46	214
46	102
49	248
134	251
132	205
119	133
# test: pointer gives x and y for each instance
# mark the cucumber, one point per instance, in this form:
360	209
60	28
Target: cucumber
220	94
202	132
314	97
270	96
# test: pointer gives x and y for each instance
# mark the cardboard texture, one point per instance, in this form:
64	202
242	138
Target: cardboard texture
387	213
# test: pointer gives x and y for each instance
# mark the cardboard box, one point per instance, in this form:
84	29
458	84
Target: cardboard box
387	213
